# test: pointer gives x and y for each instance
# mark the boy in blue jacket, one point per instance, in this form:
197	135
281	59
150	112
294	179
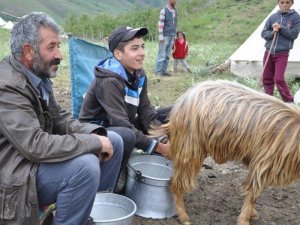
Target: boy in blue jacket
280	31
118	96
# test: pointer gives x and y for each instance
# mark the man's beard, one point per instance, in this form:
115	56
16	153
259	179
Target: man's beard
43	69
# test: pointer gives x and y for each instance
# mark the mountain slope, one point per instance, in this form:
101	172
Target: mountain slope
61	9
202	20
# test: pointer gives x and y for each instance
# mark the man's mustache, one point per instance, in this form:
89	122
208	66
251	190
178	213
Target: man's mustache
55	62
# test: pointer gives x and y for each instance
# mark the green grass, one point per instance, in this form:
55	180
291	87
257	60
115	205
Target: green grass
4	42
203	21
222	20
202	59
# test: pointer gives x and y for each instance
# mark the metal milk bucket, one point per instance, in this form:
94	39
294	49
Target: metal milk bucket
147	185
112	209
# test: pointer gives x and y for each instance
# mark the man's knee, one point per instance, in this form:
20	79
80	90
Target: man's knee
117	142
89	168
128	136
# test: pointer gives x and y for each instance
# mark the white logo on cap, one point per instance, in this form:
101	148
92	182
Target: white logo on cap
130	28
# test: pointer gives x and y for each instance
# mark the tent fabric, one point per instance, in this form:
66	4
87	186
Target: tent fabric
8	25
84	56
246	61
2	22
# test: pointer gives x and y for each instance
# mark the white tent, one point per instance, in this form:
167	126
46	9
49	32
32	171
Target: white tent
2	22
246	61
9	25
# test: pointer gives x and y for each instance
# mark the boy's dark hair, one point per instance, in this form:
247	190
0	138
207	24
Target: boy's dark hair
122	44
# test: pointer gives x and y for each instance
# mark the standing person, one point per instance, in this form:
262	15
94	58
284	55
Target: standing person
280	31
118	97
46	156
180	51
167	24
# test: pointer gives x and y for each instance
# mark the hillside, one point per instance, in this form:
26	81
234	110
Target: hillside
202	20
61	9
222	20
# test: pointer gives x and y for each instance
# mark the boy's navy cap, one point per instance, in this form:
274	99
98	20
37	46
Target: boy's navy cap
122	34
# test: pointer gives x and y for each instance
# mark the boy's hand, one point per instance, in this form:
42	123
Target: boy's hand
276	27
163	147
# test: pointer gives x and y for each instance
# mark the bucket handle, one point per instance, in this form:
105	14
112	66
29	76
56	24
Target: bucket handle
139	176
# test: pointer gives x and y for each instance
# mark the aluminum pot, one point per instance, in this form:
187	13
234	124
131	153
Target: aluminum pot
112	209
147	185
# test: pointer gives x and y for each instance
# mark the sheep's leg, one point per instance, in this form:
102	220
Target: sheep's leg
248	211
180	208
182	181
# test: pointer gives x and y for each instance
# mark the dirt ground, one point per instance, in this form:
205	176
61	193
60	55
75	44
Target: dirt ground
218	199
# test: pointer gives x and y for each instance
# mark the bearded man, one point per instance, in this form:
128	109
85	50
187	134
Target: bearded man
46	156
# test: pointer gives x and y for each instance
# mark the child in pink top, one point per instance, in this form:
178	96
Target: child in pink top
180	51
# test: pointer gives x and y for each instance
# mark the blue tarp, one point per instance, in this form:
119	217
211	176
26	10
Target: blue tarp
84	56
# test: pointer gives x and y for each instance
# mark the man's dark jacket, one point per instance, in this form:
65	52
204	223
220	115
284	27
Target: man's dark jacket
32	133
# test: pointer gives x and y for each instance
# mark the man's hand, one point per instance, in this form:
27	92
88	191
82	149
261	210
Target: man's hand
107	149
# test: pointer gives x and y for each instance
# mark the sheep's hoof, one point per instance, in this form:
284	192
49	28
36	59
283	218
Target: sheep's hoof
254	215
184	219
243	222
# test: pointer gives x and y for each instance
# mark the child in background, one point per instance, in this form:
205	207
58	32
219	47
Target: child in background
280	31
180	51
